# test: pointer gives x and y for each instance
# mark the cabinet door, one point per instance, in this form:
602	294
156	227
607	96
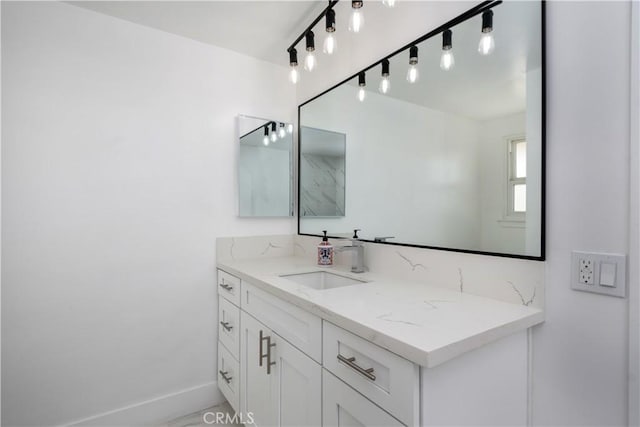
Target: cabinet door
299	382
286	389
344	407
259	395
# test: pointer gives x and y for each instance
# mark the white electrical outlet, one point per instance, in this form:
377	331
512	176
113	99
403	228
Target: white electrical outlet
586	271
599	273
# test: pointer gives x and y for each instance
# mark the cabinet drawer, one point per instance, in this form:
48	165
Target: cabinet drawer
342	406
229	377
299	327
229	327
387	379
229	287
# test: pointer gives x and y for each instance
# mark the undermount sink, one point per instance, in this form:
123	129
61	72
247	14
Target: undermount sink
322	280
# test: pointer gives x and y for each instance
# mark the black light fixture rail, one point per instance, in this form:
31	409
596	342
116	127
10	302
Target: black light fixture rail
474	11
258	128
313	24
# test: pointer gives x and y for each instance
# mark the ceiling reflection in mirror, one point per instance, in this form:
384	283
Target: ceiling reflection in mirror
450	158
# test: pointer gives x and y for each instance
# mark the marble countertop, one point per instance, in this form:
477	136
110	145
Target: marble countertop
423	323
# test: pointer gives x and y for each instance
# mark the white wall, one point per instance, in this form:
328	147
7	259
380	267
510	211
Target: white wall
580	353
118	174
634	224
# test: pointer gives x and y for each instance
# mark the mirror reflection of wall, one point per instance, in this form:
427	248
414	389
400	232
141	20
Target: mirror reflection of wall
322	173
454	158
264	167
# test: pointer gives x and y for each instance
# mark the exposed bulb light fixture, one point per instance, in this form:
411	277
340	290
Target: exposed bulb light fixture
274	135
412	74
356	21
385	83
294	76
447	61
362	83
487	44
290	128
265	140
310	59
282	132
389	3
329	46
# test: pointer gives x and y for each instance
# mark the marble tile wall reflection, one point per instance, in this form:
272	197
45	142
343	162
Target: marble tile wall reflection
322	185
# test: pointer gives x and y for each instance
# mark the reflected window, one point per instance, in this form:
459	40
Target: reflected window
517	185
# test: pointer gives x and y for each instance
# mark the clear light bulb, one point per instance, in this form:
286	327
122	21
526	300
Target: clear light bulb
385	84
282	132
273	137
290	128
356	22
389	3
265	140
330	44
294	76
362	94
487	44
447	61
412	74
310	61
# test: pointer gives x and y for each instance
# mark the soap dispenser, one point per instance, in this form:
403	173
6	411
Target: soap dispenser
325	251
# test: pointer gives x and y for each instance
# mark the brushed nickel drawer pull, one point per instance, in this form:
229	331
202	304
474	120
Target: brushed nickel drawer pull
225	377
226	287
226	326
350	362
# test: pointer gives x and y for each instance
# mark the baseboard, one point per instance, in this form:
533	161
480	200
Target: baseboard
158	410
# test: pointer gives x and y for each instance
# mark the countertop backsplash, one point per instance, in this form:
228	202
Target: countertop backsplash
506	279
254	247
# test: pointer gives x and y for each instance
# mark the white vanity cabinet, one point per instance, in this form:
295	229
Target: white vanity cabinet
288	367
273	379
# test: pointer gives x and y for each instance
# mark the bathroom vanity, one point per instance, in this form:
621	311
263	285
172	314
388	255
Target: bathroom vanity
296	348
426	337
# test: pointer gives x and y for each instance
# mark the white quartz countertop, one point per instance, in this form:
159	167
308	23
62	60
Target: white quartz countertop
423	323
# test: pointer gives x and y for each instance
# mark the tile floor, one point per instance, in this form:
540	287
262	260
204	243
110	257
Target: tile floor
197	420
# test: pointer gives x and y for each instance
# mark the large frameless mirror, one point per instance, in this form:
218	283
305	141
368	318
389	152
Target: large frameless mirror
264	167
444	143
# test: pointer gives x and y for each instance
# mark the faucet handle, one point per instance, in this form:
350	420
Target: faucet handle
355	233
382	239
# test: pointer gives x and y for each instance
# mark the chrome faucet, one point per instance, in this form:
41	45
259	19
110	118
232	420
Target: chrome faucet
357	259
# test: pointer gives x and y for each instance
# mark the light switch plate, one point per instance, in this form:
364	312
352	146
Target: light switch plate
607	274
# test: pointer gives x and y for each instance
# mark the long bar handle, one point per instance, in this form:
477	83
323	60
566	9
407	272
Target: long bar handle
269	362
226	326
261	356
225	377
350	362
